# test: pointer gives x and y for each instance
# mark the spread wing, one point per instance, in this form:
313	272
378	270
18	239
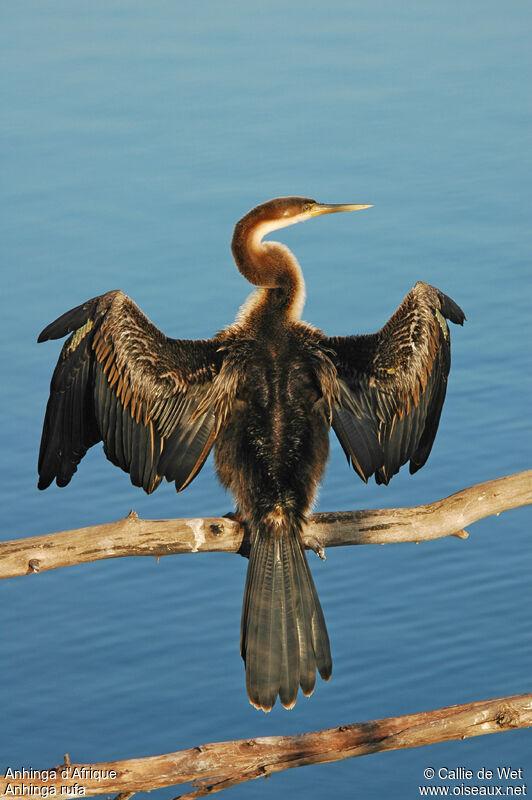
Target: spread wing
120	379
393	384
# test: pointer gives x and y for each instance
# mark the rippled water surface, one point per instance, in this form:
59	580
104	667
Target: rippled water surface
134	136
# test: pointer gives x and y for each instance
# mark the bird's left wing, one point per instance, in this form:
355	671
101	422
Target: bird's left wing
120	380
393	384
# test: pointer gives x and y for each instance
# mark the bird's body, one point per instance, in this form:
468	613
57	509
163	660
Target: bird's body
271	454
264	392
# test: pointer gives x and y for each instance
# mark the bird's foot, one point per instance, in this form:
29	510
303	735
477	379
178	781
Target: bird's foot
235	516
245	546
317	547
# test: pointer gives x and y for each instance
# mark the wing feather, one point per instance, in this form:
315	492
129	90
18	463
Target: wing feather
393	385
120	380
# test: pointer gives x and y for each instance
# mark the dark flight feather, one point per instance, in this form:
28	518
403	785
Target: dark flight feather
393	384
120	380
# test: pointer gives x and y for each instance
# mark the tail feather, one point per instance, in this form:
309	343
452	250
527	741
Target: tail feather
283	637
263	640
290	655
303	593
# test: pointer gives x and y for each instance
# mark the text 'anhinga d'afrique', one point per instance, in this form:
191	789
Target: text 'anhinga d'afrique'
265	392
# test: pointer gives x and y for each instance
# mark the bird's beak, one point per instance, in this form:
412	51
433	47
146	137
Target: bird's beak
323	208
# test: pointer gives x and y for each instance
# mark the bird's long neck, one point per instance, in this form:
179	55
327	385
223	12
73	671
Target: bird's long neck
270	265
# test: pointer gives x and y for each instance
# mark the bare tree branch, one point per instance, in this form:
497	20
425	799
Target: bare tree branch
132	536
212	767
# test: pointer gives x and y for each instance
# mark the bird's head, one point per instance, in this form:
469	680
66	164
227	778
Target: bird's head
271	264
283	211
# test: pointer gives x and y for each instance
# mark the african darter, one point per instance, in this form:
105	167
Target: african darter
265	392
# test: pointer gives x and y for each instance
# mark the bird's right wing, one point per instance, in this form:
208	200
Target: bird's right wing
393	383
120	379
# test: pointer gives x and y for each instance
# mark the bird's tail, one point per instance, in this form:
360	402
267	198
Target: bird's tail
283	637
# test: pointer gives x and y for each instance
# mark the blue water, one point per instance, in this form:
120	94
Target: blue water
135	134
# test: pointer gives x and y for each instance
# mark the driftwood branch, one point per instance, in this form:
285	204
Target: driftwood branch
132	536
212	767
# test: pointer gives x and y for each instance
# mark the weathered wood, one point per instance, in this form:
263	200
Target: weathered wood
132	536
217	766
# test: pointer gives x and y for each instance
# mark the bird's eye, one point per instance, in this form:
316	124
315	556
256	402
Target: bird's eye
307	207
